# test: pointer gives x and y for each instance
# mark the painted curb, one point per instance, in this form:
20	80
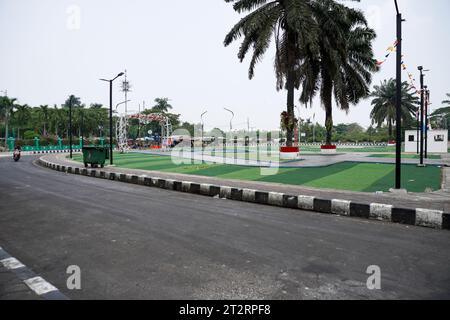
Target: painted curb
381	212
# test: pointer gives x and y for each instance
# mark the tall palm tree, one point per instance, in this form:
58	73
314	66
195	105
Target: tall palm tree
345	63
290	24
161	105
22	116
384	104
43	116
8	106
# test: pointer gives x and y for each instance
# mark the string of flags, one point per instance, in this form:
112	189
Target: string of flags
389	50
412	80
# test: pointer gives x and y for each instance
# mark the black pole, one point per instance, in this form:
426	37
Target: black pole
398	103
70	126
421	115
427	96
81	128
418	133
110	124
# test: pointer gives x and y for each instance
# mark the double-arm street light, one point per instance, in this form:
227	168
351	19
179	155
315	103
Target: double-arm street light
110	116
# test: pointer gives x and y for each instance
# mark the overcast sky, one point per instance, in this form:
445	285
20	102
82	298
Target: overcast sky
52	48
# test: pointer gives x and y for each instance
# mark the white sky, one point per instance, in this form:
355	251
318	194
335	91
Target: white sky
175	49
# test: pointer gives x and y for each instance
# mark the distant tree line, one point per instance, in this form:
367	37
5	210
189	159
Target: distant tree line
49	123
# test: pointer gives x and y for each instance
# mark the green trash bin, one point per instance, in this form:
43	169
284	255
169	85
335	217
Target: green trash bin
95	156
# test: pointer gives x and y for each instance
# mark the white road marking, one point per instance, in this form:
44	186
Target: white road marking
39	285
11	263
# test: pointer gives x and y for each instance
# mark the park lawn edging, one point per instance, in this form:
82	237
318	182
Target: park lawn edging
382	212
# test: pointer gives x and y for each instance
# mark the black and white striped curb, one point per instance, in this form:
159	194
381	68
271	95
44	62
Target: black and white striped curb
375	211
39	286
52	151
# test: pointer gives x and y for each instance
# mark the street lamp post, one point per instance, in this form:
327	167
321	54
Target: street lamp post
232	116
70	126
203	130
422	106
6	118
427	101
398	101
110	116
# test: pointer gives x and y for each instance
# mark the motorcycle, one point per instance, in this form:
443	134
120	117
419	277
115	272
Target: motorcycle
16	155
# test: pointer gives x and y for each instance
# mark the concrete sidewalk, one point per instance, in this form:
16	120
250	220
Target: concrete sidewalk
436	200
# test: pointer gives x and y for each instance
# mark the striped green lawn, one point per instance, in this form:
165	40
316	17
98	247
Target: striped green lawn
406	156
366	177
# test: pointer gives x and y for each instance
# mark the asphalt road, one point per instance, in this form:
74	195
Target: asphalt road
135	242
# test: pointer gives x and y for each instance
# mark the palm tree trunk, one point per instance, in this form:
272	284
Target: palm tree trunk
390	129
328	105
290	85
290	108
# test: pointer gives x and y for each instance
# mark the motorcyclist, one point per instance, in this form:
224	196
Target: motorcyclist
16	153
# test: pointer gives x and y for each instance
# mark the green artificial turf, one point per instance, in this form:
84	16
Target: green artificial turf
406	156
367	177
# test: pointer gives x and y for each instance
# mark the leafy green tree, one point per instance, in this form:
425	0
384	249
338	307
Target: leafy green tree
291	25
345	62
384	104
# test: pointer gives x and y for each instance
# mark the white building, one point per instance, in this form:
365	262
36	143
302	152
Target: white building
437	141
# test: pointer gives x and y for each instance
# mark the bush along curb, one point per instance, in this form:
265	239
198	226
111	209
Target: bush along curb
375	211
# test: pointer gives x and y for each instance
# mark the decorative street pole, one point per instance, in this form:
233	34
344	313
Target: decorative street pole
111	116
398	101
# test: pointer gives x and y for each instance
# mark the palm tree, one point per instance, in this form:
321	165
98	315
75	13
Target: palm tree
8	105
290	24
447	102
441	116
384	104
162	105
22	116
76	102
345	63
43	116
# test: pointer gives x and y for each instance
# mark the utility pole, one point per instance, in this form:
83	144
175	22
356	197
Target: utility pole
398	101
